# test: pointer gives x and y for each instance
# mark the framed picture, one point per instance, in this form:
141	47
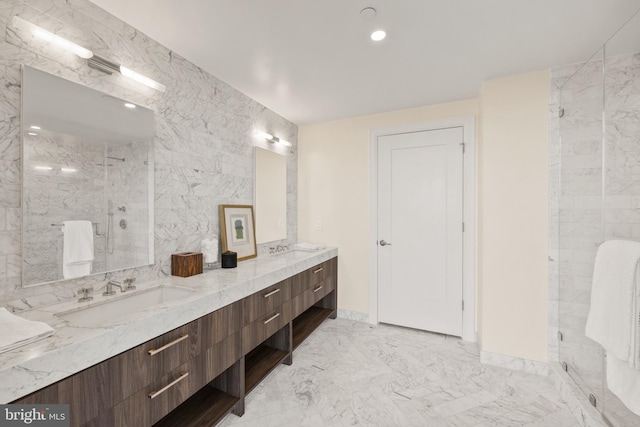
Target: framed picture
237	230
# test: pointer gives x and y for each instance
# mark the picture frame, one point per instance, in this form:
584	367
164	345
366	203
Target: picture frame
238	230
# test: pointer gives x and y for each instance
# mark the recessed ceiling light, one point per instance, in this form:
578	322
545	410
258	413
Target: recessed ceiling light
378	35
35	127
129	105
43	168
68	170
32	133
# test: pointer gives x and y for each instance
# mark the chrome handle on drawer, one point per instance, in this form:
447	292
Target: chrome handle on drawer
318	270
272	293
271	318
317	289
155	394
166	346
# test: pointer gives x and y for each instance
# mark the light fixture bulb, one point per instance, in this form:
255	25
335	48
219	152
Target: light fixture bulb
127	72
49	37
129	105
378	35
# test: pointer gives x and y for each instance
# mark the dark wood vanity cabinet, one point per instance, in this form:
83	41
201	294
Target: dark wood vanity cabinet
199	372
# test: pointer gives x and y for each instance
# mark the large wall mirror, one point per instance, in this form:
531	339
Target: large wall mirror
270	196
87	181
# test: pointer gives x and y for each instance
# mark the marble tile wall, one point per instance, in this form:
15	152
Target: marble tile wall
589	202
204	136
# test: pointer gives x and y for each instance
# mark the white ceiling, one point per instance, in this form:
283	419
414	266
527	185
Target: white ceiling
312	60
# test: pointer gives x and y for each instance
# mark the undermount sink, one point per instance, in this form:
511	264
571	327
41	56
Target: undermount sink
111	310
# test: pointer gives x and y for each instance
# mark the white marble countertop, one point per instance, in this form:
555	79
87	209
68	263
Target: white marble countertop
72	348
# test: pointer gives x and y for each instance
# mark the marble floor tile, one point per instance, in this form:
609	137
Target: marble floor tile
350	373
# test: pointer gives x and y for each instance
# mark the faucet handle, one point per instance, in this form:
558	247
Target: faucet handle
85	294
128	283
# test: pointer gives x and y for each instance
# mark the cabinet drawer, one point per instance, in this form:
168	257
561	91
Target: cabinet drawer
267	325
141	365
220	324
154	401
310	278
257	305
300	303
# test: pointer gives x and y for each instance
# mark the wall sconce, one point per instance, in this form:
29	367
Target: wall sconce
274	139
93	60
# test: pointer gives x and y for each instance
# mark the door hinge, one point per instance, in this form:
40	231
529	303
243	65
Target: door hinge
463	147
462	305
463	227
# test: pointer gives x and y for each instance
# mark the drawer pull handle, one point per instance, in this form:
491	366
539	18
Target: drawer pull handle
272	293
271	318
155	394
317	289
318	270
166	346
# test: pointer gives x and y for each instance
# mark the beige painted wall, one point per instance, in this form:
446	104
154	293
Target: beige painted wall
512	209
333	208
333	188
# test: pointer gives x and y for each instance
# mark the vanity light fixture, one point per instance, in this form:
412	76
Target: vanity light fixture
93	60
274	139
109	67
47	36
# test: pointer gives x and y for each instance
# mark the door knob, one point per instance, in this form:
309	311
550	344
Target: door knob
383	243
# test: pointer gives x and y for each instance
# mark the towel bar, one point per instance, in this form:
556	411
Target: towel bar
94	224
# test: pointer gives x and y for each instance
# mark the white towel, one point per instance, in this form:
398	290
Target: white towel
612	317
624	382
77	254
17	331
309	247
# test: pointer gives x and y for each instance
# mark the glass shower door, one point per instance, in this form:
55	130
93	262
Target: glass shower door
580	219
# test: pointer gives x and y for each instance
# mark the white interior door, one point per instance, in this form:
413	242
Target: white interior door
420	215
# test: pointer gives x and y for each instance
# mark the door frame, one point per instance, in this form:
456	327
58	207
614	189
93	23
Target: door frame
469	216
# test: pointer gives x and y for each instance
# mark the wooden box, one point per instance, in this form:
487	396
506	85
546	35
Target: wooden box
185	264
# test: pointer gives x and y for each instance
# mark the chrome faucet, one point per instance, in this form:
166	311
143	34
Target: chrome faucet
109	288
